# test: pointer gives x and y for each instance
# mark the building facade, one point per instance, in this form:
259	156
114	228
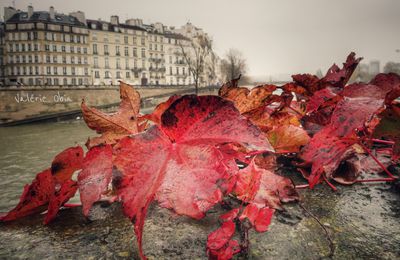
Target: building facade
47	48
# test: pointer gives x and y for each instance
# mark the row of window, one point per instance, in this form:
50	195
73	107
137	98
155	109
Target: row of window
22	47
118	74
118	51
49	36
34	70
49	59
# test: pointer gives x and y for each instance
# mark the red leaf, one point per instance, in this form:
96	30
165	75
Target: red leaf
34	198
177	163
264	188
51	188
95	176
226	252
155	116
260	218
229	216
59	198
220	237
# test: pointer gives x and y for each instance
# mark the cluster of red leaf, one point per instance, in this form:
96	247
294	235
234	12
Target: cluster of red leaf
185	155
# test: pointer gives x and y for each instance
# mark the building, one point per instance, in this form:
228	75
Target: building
54	49
118	52
2	51
177	69
45	48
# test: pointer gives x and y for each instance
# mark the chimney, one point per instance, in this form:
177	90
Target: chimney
79	15
9	12
30	11
52	14
114	20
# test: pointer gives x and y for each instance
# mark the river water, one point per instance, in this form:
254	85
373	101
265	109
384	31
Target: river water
28	149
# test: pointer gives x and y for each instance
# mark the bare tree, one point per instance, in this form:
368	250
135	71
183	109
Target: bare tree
233	65
195	55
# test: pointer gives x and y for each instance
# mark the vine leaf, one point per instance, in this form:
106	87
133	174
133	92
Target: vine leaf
116	125
264	188
51	188
95	176
177	163
155	116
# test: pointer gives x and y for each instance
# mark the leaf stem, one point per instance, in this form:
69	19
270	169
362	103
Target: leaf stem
377	180
329	184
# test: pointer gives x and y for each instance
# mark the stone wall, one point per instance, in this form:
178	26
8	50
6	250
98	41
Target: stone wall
23	103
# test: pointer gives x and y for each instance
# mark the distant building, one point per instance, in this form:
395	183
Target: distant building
45	48
374	67
53	49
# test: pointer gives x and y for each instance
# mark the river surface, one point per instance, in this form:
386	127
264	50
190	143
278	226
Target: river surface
28	149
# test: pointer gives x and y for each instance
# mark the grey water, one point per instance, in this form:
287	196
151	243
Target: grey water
26	150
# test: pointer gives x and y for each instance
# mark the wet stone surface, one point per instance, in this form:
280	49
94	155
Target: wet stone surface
363	221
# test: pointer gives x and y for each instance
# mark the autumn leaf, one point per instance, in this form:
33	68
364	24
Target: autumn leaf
95	176
116	125
50	189
260	218
177	163
288	139
155	116
332	144
264	188
244	99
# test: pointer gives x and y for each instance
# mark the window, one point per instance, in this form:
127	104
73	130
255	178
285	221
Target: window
55	59
35	47
65	71
73	70
126	51
47	47
106	63
107	75
22	47
95	48
55	71
48	81
85	60
96	62
134	52
78	49
65	82
47	58
127	64
64	59
85	50
97	74
80	80
118	64
143	41
71	48
86	71
126	39
37	70
79	60
128	75
48	70
73	81
63	48
117	51
106	50
143	53
118	74
72	59
177	70
54	48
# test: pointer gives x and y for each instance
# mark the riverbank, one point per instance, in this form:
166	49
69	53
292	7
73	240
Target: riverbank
26	105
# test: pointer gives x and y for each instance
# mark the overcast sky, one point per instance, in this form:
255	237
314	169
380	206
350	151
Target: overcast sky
279	37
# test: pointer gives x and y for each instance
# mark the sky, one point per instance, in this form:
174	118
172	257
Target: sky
277	38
